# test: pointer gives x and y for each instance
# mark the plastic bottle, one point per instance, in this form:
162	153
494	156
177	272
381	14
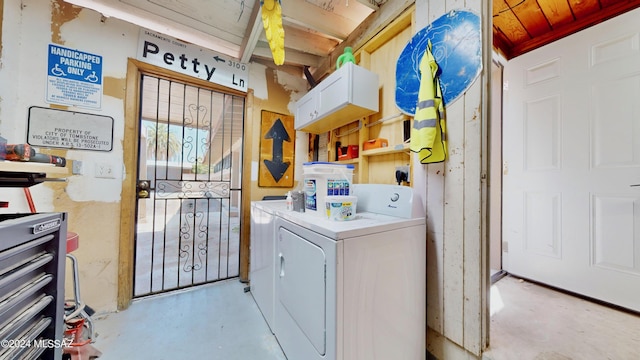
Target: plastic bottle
346	57
289	201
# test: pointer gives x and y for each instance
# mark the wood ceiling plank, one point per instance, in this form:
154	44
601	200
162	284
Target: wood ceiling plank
501	44
369	28
226	19
584	8
530	15
607	3
565	17
328	21
606	13
390	32
557	12
307	41
507	22
164	24
291	56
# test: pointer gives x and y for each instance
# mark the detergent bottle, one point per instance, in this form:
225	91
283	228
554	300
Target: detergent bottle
289	201
346	57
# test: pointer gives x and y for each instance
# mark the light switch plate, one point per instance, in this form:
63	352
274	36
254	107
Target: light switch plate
76	167
104	170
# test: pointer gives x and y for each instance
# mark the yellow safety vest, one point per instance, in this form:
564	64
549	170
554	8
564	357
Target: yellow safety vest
428	138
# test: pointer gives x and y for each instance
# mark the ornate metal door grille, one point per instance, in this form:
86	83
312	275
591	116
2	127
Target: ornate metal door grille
189	171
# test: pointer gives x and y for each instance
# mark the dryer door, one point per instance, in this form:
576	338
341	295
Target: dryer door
303	300
302	290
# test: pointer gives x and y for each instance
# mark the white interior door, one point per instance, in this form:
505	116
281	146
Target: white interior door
571	152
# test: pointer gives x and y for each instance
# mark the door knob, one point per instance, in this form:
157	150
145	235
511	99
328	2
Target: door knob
143	188
635	185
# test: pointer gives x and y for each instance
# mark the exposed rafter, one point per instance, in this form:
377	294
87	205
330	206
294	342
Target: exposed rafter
252	35
313	28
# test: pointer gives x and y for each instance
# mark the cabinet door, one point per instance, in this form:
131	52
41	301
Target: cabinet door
306	109
334	92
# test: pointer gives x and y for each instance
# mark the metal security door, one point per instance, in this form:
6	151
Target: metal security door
189	179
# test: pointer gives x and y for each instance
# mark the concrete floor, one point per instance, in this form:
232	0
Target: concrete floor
532	322
215	321
221	321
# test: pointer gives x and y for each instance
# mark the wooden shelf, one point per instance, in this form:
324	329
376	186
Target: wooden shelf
386	150
350	161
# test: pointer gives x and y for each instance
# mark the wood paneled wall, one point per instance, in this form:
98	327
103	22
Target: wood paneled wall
379	55
453	193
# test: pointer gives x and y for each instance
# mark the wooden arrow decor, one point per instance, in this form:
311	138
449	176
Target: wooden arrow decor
277	144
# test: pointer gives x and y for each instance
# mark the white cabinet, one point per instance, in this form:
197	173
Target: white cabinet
306	109
348	94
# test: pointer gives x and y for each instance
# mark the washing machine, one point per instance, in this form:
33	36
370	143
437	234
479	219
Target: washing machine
350	290
261	260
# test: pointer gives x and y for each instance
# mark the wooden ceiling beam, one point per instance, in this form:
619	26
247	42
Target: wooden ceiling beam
571	28
305	14
252	34
369	28
291	56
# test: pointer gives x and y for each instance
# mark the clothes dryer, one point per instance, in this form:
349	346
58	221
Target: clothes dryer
352	289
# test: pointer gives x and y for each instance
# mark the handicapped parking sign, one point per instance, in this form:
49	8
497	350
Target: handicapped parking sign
74	77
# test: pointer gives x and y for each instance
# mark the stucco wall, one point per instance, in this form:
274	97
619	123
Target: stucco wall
277	91
93	204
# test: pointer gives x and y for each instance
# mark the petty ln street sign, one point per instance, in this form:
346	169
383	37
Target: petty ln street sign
74	78
169	53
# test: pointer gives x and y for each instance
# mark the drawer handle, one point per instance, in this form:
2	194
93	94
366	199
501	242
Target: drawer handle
25	268
24	292
28	312
20	248
26	336
281	264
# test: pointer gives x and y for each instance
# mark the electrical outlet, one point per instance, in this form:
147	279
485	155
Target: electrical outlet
405	169
104	170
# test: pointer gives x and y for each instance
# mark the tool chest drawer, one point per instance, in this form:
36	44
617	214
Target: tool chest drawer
32	255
